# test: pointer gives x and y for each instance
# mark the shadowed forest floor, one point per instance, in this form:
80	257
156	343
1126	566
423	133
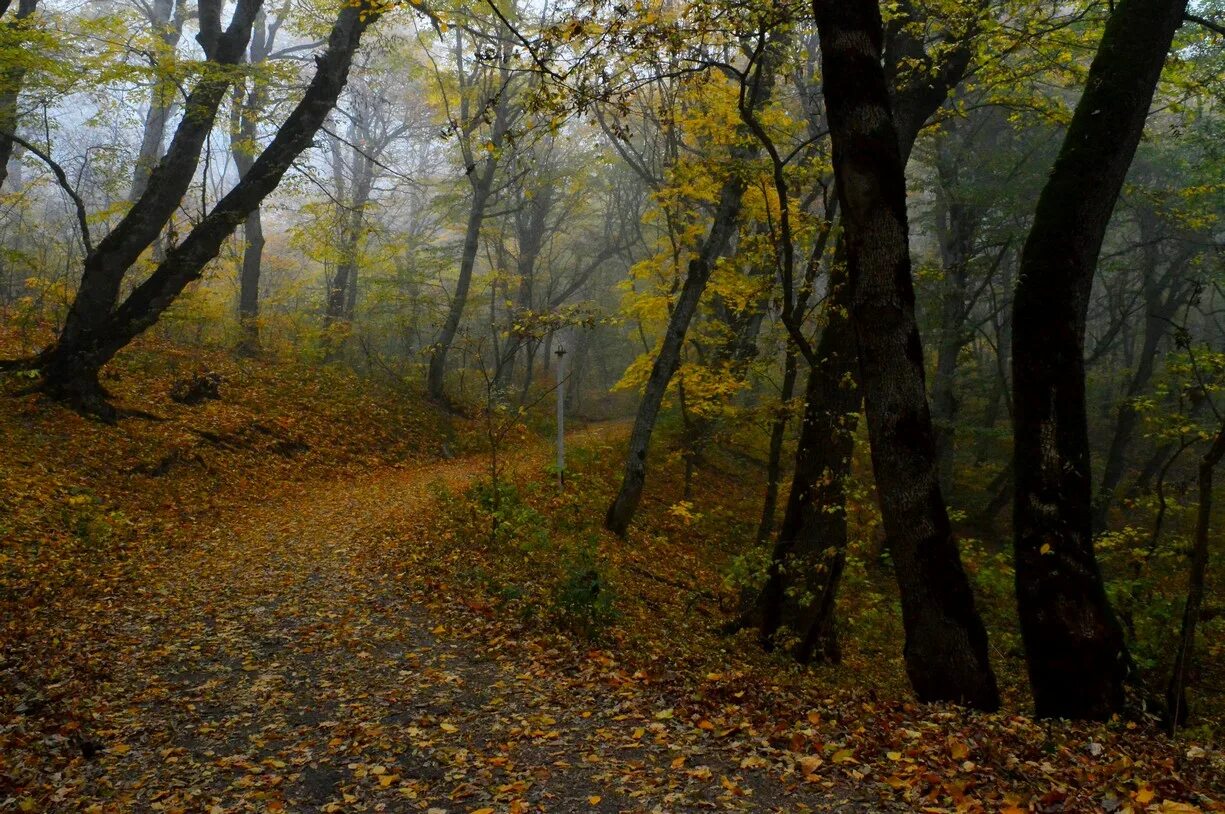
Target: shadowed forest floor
290	659
285	600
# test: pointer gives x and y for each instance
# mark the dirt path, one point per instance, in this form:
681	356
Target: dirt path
289	661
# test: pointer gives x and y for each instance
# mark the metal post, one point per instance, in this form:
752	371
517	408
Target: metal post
561	419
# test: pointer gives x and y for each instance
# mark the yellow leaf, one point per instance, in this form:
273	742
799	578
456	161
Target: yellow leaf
959	750
843	755
1046	549
663	714
121	748
485	810
894	755
594	799
1145	796
448	727
678	762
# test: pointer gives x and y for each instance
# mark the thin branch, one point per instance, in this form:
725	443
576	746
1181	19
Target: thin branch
1211	25
62	178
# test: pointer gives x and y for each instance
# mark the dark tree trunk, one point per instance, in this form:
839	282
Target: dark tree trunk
1176	699
958	225
778	432
70	367
481	192
248	282
482	180
242	148
1074	645
11	80
946	643
801	586
621	512
1162	296
723	227
810	551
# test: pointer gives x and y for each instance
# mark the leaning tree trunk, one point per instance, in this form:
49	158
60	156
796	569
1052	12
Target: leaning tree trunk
78	357
1074	645
723	227
946	643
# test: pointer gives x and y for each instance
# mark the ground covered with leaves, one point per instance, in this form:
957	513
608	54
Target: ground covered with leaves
333	614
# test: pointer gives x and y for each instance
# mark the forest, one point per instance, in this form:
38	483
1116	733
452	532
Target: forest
474	406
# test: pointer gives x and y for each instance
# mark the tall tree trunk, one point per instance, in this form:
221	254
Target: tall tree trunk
1176	698
71	365
482	190
11	80
958	224
621	512
242	148
778	432
1162	296
946	643
806	567
722	229
167	26
809	555
1074	645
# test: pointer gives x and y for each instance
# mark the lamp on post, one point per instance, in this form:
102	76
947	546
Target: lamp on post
560	353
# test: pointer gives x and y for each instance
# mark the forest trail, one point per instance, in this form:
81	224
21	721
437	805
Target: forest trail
293	658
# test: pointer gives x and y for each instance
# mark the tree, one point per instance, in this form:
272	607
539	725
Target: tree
1074	645
757	85
946	643
97	328
482	125
809	554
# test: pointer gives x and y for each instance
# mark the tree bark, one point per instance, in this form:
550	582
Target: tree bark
1074	645
167	25
810	551
946	643
482	191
